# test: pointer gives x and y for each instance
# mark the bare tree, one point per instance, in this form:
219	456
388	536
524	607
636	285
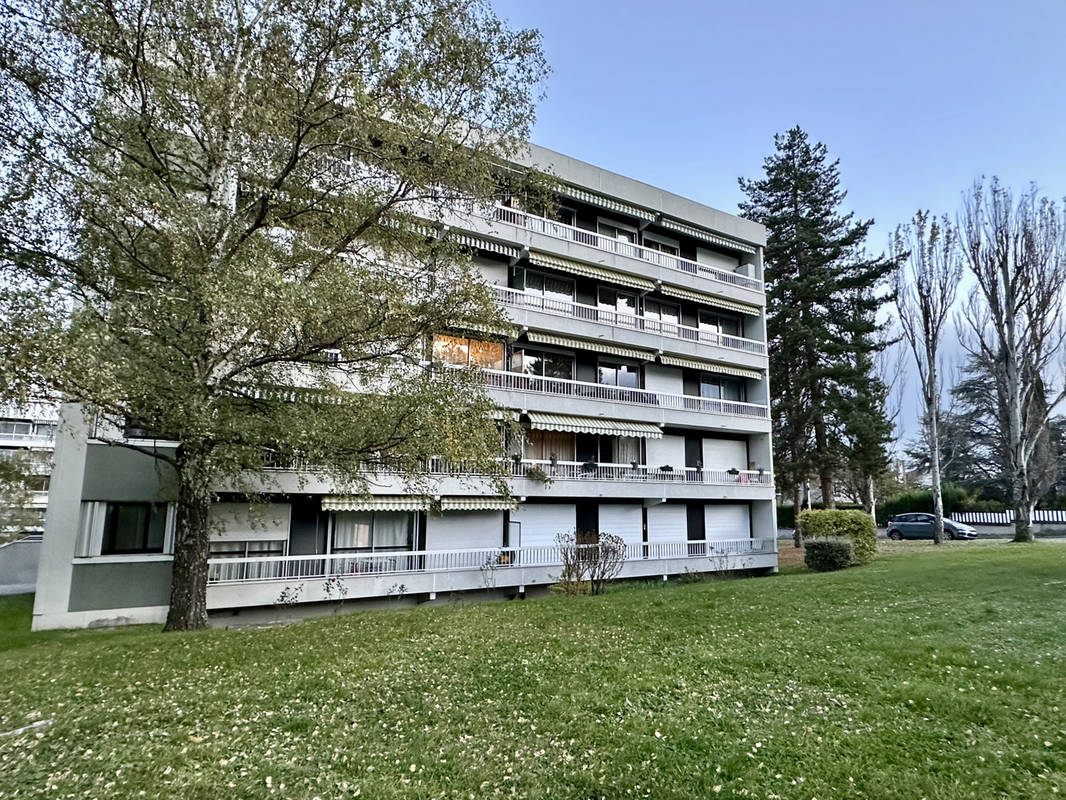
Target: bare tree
927	283
1017	254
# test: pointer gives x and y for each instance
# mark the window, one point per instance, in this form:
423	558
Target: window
566	215
247	549
715	387
664	312
356	531
134	528
616	230
16	427
619	373
549	286
662	244
543	363
463	352
721	323
617	301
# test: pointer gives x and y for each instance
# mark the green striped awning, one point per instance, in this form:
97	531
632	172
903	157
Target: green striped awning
595	199
595	345
381	502
590	271
706	235
539	421
710	366
478	504
710	300
481	243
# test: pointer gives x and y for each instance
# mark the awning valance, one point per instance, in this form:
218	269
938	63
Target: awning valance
594	199
539	421
595	345
710	366
478	504
381	502
590	271
706	235
481	243
709	300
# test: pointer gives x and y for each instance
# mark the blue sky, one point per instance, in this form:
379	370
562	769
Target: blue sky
916	99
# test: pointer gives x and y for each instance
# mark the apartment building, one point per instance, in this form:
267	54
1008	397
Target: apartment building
27	438
639	375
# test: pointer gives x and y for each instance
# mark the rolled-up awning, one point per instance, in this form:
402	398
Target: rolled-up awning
539	421
381	502
481	243
710	366
592	344
590	271
709	300
706	235
594	199
478	504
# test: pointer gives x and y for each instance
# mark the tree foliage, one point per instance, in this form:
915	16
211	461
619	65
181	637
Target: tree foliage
220	223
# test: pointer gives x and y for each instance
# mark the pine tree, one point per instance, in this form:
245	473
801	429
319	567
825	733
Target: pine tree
822	297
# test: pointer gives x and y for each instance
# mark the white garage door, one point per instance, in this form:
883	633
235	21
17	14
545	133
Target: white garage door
725	454
465	530
667	523
540	523
727	522
624	520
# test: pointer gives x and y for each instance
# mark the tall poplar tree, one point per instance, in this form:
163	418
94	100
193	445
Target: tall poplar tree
822	294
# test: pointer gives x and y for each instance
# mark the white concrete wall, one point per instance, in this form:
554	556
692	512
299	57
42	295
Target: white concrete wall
713	258
625	520
464	530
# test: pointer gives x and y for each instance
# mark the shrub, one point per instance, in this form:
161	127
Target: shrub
858	526
955	499
826	555
786	515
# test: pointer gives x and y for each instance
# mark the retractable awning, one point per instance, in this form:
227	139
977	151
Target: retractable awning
477	504
481	243
706	235
591	271
592	344
608	427
381	502
594	199
709	300
710	366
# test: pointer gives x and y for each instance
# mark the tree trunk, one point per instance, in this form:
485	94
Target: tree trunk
797	506
1023	506
188	583
934	463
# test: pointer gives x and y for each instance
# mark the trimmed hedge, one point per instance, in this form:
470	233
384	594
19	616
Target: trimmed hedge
858	526
786	515
827	555
921	500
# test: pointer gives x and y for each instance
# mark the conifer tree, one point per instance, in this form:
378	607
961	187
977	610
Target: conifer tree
822	294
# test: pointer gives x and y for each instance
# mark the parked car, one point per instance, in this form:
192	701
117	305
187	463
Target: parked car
921	526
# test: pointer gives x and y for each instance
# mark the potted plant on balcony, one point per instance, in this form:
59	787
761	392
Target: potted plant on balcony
535	472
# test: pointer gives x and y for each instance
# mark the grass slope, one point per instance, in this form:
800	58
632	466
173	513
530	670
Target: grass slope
929	674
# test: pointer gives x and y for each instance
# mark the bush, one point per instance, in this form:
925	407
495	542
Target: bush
786	515
826	555
921	500
858	526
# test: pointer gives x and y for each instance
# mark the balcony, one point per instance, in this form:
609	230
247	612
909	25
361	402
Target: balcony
558	230
560	387
244	582
628	473
513	298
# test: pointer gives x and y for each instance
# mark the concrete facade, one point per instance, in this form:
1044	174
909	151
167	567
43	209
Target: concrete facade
653	424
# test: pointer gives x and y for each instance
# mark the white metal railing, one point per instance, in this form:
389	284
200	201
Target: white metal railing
606	471
558	230
280	568
521	382
1007	517
565	308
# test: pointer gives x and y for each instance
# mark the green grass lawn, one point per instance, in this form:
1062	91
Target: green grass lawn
935	674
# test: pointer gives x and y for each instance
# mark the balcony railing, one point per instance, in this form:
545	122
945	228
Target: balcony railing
558	230
565	308
521	382
354	565
629	473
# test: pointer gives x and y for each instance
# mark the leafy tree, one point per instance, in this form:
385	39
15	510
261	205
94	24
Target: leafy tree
822	300
215	218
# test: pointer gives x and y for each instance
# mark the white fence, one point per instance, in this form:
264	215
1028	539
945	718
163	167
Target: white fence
353	565
1007	517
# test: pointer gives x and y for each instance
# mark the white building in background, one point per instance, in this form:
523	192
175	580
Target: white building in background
27	437
640	376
